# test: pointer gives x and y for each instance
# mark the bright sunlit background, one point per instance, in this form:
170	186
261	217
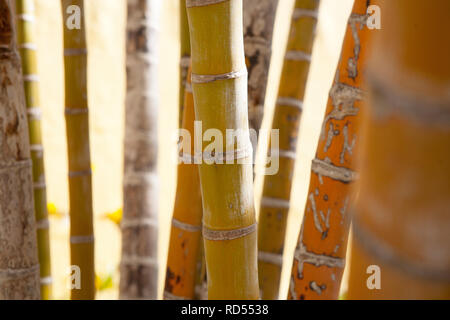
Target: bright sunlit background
105	20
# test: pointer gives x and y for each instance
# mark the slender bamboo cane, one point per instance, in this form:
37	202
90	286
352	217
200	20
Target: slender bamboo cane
139	268
401	222
19	266
219	81
274	206
259	19
320	254
185	235
185	56
77	130
27	49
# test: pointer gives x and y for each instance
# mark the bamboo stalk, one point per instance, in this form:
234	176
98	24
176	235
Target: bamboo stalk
139	266
185	56
185	234
77	130
274	206
320	254
259	19
220	94
201	279
19	264
27	48
401	223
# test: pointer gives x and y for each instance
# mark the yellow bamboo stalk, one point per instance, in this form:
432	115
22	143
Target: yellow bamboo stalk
139	265
319	258
185	234
219	81
19	266
185	56
401	223
27	48
77	130
274	206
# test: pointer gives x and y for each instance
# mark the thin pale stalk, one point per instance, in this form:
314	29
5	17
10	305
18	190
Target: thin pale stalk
19	264
275	203
220	95
401	239
139	265
319	258
25	17
77	131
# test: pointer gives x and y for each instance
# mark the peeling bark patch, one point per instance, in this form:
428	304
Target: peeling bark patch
352	63
317	288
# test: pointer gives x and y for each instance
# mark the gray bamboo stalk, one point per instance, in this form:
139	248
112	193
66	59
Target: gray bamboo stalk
259	19
139	269
19	267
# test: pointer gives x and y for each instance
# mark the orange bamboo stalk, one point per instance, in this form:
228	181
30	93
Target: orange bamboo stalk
185	235
401	222
274	206
320	254
185	56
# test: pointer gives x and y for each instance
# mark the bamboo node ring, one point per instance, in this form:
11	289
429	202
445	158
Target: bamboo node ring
207	78
185	226
275	203
81	173
290	102
221	235
81	239
9	274
202	3
170	296
297	56
304	13
272	258
75	111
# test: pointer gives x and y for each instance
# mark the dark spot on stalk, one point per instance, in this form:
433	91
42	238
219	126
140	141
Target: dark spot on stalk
324	234
169	276
302	297
325	197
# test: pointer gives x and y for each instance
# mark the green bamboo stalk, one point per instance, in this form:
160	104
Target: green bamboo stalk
77	130
27	48
219	81
19	267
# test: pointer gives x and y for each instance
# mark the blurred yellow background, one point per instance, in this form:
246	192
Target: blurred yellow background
105	22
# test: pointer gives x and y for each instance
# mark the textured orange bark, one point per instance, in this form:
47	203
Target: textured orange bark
274	206
320	254
401	221
185	235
